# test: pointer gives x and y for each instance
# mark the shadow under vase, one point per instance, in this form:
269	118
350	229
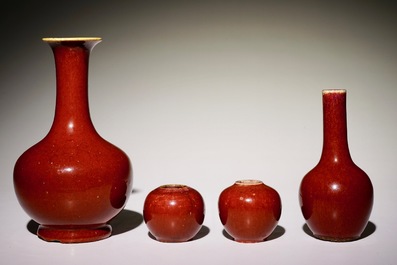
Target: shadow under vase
369	230
125	221
279	231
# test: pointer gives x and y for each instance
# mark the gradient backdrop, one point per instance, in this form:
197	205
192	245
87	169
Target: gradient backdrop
204	93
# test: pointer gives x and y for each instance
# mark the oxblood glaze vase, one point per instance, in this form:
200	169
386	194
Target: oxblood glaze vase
73	181
336	196
249	210
174	212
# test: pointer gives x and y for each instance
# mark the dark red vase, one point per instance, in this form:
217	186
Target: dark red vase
336	196
73	181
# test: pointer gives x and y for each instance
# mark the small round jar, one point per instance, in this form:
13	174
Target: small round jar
174	212
249	210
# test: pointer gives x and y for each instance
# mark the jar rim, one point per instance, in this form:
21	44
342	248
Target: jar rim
247	182
173	186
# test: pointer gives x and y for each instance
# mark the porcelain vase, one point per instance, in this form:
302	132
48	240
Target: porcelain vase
336	196
73	181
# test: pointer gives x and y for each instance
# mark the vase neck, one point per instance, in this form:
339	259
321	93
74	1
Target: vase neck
335	143
72	113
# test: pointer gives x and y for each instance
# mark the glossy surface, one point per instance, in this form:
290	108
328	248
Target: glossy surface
336	196
72	182
174	213
249	210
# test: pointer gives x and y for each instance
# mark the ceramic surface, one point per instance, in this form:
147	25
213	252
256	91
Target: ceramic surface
336	196
174	212
249	210
73	181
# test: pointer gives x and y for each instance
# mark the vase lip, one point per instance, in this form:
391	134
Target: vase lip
334	91
248	182
56	39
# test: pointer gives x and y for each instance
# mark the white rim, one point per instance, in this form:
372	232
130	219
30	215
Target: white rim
328	91
247	182
72	39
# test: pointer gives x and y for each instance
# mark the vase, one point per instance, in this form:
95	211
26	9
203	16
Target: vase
336	196
174	212
249	210
72	182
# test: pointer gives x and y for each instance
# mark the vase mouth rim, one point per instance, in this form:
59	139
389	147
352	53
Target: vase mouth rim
334	91
52	39
248	182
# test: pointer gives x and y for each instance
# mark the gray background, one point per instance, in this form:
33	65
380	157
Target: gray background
205	93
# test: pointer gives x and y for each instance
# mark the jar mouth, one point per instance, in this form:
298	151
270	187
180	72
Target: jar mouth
248	182
334	91
72	39
173	186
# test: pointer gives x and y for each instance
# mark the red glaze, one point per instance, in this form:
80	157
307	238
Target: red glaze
174	213
249	210
72	182
336	196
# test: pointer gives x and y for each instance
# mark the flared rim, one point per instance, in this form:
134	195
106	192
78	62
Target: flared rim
328	91
51	39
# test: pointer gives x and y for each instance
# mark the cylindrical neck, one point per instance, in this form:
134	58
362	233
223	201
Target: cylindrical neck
335	144
71	62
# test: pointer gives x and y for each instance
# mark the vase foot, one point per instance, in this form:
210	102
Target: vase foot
336	239
248	241
74	234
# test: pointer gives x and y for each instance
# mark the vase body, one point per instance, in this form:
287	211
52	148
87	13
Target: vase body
73	181
336	196
249	210
174	212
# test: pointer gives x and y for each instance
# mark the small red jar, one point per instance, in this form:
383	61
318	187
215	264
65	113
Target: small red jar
249	210
174	212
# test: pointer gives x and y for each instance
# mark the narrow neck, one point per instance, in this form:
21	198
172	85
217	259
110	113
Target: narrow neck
335	144
71	63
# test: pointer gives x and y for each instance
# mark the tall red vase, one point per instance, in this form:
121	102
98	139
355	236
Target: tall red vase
336	196
73	181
